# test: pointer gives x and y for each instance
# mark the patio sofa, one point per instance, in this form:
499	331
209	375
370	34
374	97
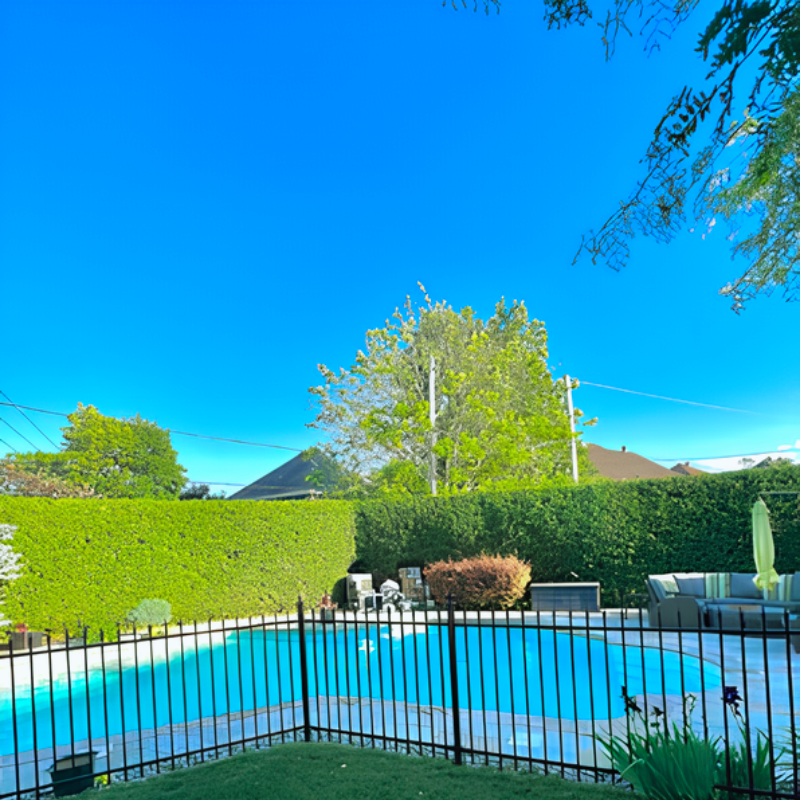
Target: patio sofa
720	600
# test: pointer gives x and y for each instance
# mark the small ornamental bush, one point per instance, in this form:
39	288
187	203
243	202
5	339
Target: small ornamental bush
483	582
150	612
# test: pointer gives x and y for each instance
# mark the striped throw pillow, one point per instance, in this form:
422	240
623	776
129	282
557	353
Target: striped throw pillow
782	591
718	584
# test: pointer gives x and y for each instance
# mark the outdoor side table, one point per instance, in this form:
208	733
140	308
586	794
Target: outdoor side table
565	596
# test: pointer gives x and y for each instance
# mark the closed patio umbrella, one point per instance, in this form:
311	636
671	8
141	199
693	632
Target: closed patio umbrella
763	547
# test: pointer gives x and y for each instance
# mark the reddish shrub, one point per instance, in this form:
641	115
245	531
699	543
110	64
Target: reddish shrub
483	582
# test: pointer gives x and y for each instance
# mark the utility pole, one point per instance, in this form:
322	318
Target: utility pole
432	406
568	382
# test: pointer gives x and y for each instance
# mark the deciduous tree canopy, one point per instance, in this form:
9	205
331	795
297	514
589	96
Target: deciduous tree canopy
501	420
726	149
113	457
200	491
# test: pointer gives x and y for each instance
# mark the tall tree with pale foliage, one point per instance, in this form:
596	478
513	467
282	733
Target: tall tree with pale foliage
501	419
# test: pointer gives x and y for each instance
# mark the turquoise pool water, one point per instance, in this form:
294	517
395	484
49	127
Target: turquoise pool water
537	673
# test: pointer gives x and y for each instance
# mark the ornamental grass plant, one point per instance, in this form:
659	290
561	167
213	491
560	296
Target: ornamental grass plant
672	762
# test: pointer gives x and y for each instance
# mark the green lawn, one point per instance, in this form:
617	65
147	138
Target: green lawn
337	772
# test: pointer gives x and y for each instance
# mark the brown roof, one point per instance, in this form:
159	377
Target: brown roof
622	465
685	469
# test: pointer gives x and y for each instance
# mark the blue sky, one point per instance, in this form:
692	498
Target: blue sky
200	202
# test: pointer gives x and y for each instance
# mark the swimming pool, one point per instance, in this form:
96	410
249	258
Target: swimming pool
116	688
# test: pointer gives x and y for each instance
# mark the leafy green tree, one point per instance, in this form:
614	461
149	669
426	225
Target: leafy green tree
114	457
501	421
726	149
769	462
768	189
199	491
330	478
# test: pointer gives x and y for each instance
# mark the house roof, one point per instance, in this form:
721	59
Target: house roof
287	482
622	465
685	469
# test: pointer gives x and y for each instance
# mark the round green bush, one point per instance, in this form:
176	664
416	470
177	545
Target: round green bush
150	612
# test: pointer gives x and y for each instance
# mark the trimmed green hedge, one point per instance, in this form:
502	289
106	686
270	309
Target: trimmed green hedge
89	562
615	533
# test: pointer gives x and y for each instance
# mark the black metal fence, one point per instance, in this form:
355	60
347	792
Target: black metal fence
538	691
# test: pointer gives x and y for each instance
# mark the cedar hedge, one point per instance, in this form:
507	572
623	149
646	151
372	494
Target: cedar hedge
616	533
88	563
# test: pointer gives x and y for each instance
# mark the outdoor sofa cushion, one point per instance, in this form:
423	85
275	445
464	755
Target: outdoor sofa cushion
718	584
662	586
786	590
692	586
709	593
742	585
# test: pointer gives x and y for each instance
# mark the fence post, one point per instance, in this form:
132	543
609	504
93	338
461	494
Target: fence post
304	670
451	640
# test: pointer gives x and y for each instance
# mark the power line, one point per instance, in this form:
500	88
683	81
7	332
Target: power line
237	441
177	433
31	408
8	445
19	408
19	434
255	485
671	399
217	483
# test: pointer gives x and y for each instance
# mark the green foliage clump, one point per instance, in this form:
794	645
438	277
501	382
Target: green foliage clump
616	533
150	612
664	767
672	762
747	106
499	419
112	457
200	491
87	563
483	582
